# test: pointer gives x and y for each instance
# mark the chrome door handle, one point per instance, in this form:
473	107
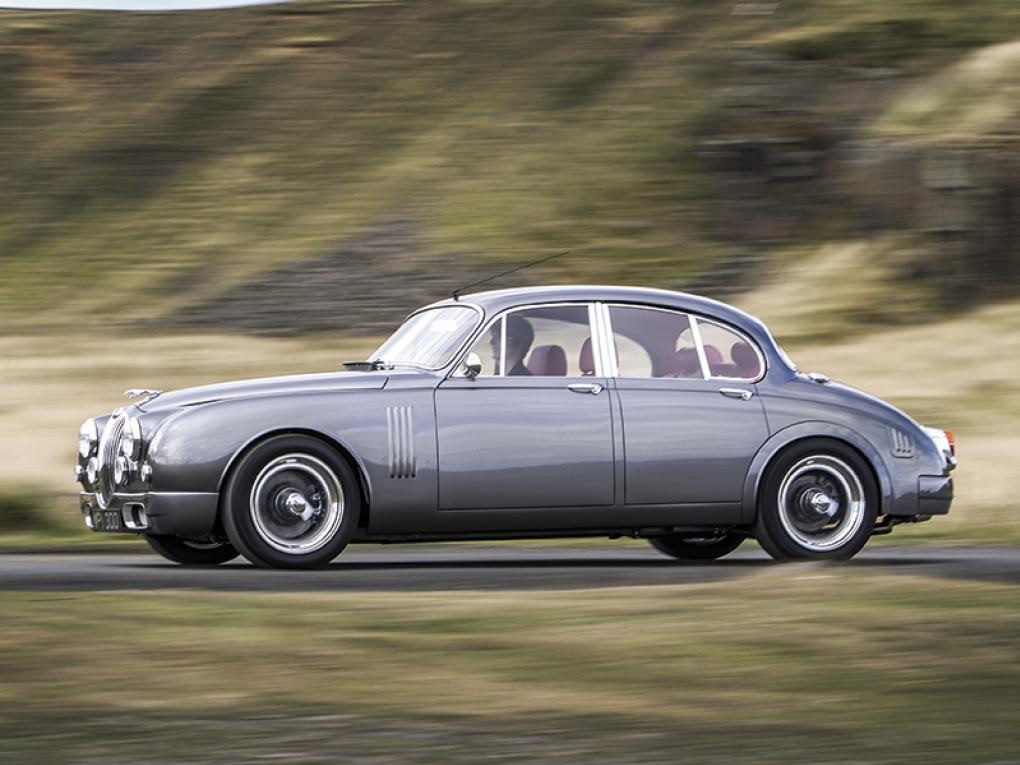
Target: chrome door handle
741	393
592	388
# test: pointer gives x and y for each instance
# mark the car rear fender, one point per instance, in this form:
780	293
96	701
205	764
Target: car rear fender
812	429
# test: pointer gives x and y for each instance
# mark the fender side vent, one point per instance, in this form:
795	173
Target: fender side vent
400	431
902	445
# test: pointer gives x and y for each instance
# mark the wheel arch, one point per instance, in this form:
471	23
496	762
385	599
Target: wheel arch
343	451
788	437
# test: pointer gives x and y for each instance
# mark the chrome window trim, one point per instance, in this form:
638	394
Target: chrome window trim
693	319
500	316
595	335
458	353
606	348
699	346
502	346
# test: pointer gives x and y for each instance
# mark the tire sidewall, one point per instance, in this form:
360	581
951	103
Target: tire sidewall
179	551
769	529
237	519
677	546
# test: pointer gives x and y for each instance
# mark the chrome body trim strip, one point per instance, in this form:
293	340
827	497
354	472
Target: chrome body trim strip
699	346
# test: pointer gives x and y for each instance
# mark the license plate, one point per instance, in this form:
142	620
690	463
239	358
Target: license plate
107	520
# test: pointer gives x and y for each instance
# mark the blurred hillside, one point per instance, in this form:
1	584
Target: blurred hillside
320	166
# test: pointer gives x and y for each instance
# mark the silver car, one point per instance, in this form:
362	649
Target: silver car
524	413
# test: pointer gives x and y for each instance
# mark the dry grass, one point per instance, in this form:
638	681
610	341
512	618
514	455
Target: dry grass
976	97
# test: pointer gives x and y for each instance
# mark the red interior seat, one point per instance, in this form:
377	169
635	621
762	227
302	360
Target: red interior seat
686	364
745	360
548	361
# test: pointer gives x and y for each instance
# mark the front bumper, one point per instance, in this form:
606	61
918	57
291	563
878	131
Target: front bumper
180	514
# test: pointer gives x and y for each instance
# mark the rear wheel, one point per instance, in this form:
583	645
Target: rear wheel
192	553
292	502
819	500
693	547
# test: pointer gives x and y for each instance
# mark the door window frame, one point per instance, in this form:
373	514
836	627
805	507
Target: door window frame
594	329
609	345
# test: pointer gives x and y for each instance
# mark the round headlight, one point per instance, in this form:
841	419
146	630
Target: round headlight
121	471
88	438
92	471
131	439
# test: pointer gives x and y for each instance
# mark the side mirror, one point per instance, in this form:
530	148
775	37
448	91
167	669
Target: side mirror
472	366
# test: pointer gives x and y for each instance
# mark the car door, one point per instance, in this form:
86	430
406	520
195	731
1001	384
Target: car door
692	420
540	434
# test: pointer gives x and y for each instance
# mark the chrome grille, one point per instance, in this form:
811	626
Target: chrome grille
107	454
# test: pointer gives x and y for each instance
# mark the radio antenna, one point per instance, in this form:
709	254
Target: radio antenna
456	293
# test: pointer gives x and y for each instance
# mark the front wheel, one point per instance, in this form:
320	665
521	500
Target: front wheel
693	547
819	500
191	553
292	502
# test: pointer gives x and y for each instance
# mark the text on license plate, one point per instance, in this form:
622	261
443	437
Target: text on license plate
107	520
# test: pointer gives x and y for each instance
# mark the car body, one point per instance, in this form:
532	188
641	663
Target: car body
631	412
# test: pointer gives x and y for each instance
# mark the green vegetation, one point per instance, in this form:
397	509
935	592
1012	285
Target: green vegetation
798	664
169	160
20	510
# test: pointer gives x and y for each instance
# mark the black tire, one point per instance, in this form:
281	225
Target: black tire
692	547
291	502
819	501
191	553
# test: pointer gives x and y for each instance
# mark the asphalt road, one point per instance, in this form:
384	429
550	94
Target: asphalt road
462	567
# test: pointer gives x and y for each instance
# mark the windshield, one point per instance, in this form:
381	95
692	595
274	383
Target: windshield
429	338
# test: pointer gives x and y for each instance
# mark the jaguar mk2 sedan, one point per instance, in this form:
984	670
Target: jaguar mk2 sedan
538	412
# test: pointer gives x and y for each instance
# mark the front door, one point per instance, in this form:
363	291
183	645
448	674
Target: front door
534	429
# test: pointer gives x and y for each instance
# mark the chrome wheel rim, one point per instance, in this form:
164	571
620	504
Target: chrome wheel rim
297	504
821	503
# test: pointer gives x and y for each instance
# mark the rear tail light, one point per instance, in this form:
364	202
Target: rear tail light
952	441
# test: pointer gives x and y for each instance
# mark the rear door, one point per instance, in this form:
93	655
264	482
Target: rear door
692	420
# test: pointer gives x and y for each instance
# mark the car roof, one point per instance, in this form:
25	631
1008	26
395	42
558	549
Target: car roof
494	301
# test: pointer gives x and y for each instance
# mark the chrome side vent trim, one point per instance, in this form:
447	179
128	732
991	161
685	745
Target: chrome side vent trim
902	444
400	430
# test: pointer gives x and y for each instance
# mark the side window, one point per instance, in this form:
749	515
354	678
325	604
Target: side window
728	354
551	341
654	343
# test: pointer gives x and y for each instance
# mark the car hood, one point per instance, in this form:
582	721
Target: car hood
266	386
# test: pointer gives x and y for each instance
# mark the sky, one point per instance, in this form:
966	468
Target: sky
130	5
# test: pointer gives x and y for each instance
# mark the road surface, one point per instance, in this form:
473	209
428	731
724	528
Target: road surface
403	568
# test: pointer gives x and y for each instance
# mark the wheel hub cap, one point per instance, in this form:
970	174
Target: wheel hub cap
821	503
296	503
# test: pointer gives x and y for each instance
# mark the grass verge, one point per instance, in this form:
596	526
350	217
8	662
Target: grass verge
799	664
